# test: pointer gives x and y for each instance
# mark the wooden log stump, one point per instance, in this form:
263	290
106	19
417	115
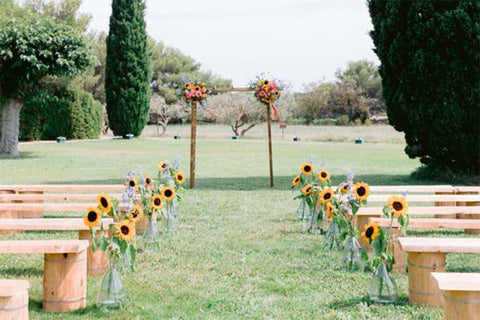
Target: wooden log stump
65	281
141	225
30	214
14	299
400	256
97	261
8	214
422	289
469	216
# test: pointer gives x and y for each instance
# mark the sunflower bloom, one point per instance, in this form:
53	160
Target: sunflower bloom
331	210
346	186
323	175
157	202
93	217
168	193
162	166
296	181
148	182
370	232
398	205
307	169
131	182
135	213
179	178
125	230
361	191
326	195
307	190
104	202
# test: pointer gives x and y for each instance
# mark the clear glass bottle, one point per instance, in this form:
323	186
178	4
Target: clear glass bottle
332	236
111	294
303	211
151	236
352	256
383	289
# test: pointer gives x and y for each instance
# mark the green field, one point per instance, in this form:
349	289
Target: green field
239	252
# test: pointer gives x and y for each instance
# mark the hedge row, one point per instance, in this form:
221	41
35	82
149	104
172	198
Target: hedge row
53	112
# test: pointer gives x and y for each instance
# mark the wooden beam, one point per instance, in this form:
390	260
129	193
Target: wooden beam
231	89
270	156
193	143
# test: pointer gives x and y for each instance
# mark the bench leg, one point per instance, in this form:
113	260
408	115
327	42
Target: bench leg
65	281
445	204
469	216
8	214
14	307
97	262
31	214
422	289
462	305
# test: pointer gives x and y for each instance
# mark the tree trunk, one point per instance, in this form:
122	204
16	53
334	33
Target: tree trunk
9	128
246	129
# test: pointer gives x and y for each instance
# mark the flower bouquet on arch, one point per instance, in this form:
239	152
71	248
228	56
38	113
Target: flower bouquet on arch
193	93
267	91
383	288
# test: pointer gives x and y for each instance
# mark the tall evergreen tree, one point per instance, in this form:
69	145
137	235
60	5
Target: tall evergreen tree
127	74
430	68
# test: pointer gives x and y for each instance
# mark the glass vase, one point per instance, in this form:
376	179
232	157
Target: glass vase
383	289
352	256
170	218
303	211
111	295
151	236
332	236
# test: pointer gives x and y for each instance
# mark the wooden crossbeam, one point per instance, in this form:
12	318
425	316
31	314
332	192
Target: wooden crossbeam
230	89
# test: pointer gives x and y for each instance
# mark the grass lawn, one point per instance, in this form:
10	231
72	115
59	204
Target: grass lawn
239	252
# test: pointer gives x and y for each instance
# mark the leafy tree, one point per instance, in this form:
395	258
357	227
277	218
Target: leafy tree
30	50
314	103
430	67
127	73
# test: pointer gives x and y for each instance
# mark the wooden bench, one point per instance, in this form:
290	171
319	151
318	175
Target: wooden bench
14	299
461	294
420	223
64	273
427	255
97	262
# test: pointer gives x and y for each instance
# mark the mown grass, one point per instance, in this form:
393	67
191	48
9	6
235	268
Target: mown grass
239	252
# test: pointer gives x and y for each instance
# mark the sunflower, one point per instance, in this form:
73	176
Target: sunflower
330	210
168	193
265	82
307	189
398	205
93	217
361	191
162	166
157	202
135	213
296	181
346	186
326	195
307	169
104	202
125	230
131	182
148	182
188	86
179	178
323	175
370	232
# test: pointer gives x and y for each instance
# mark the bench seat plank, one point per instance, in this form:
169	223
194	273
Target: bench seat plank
369	211
456	281
54	197
65	187
429	198
48	224
43	246
11	287
432	223
441	245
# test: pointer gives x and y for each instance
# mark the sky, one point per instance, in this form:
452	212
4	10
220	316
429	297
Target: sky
296	41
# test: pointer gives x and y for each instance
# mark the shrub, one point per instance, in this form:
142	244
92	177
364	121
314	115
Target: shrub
342	121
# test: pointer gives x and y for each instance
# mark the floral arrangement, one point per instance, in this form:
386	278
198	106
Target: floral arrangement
266	91
194	93
383	288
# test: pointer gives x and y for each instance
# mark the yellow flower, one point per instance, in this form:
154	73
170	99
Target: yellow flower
346	186
131	182
398	205
179	178
326	195
361	191
162	166
104	202
370	232
296	180
93	217
307	190
168	193
331	210
323	175
125	230
135	213
307	169
187	85
148	182
157	202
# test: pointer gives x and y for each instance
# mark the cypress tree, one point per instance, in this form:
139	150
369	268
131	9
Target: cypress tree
127	73
430	68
